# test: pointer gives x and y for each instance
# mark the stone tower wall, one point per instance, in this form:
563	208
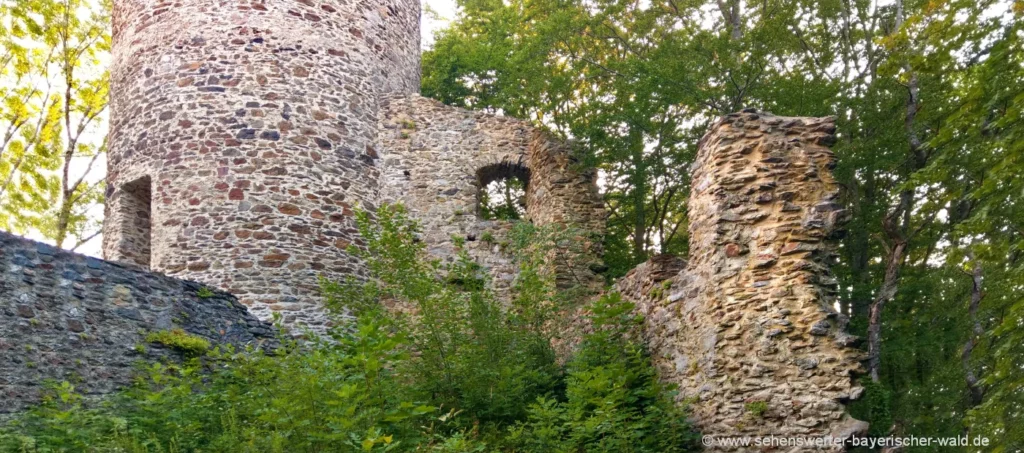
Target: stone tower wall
749	319
242	135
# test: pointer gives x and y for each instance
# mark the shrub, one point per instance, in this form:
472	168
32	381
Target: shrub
613	401
327	396
472	354
432	361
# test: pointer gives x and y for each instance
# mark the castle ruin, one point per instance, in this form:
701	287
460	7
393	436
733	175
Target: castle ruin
749	321
245	134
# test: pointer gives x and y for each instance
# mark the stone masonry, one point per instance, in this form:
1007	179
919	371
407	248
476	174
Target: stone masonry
246	132
243	134
68	317
438	158
747	327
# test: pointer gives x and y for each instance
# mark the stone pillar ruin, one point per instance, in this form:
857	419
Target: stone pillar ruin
747	327
243	134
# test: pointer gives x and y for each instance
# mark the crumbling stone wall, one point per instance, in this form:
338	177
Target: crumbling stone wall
433	156
253	126
65	316
748	322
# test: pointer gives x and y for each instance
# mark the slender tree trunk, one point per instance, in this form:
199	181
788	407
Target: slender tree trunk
639	198
733	14
66	192
897	222
973	383
890	284
63	221
859	251
737	21
510	204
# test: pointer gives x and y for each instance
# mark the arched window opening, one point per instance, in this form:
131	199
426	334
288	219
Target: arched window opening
503	191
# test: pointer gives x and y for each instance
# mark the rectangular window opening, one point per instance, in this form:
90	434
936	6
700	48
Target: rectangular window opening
137	229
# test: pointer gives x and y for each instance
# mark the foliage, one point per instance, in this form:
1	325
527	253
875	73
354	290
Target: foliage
204	293
327	397
60	423
613	400
503	199
432	361
180	340
987	131
473	355
927	97
53	85
876	405
756	409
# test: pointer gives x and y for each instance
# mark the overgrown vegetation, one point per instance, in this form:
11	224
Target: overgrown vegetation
503	199
927	96
180	340
432	361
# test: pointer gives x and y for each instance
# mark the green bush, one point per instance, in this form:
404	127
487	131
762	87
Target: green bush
328	396
432	361
613	401
473	354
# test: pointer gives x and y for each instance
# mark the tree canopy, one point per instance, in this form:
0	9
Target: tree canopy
927	96
53	85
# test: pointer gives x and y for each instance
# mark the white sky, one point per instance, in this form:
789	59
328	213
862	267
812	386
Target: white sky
436	15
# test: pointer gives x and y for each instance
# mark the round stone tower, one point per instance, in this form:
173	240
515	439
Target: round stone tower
243	135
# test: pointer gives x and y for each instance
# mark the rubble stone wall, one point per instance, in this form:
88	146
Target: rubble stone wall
748	323
433	155
68	317
253	124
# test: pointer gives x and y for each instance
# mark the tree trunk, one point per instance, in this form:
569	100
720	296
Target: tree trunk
63	222
973	384
639	177
890	284
897	222
733	17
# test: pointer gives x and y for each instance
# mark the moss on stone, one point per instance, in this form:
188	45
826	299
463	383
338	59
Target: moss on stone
180	340
757	409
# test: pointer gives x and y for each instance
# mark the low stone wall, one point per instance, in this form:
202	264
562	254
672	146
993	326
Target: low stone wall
68	317
746	327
